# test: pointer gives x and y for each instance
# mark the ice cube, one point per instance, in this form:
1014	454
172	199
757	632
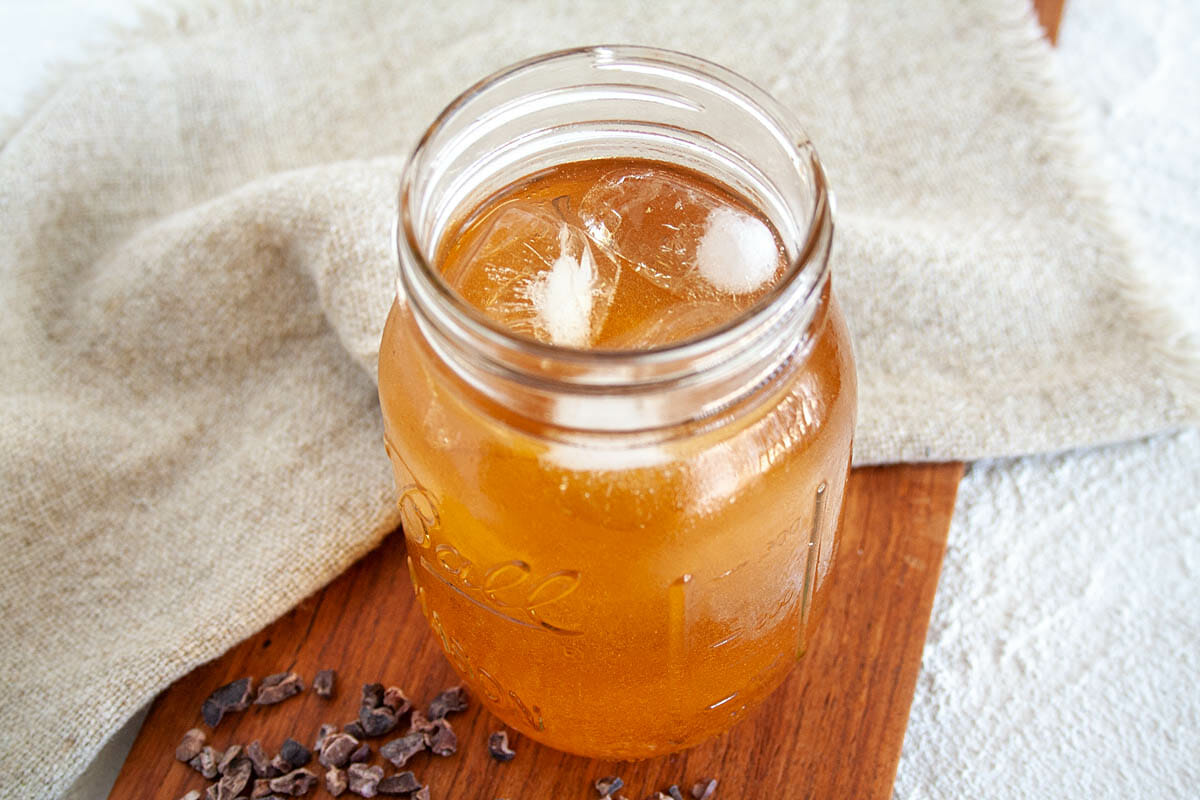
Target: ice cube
678	235
537	274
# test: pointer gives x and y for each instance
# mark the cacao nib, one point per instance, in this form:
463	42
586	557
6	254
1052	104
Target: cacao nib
399	751
227	759
258	759
442	742
449	701
377	721
364	780
233	696
418	722
336	750
395	699
607	785
336	782
234	779
498	747
372	695
277	688
190	746
295	753
322	733
206	763
295	783
400	783
323	683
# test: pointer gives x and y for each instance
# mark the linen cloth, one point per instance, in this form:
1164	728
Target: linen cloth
195	275
1063	656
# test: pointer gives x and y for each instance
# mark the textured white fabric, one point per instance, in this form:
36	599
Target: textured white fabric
1063	657
186	311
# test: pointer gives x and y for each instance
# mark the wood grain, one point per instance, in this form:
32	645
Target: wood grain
1049	14
833	729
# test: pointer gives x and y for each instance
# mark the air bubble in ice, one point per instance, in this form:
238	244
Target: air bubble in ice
737	253
537	275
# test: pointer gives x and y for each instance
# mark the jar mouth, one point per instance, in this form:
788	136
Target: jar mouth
619	82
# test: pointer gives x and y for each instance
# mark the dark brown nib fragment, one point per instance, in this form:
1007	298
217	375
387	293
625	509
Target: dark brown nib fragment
363	753
323	683
395	699
261	788
399	784
377	721
258	759
295	783
364	780
442	741
234	752
336	782
279	765
206	763
355	729
337	749
399	751
190	746
450	701
278	687
498	747
323	733
234	779
417	722
295	753
374	716
704	789
372	695
233	696
607	785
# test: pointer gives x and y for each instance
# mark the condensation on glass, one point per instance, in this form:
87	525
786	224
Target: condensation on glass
621	551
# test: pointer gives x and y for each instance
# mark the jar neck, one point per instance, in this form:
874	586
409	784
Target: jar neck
622	391
578	104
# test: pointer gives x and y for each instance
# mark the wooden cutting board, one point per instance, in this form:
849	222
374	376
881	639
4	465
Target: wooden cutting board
833	729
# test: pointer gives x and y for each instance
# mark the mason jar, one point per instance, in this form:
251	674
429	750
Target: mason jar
620	551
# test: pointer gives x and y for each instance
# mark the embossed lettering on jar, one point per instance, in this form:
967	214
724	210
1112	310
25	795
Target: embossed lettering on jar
618	395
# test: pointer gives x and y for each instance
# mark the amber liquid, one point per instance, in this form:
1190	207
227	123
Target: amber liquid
660	296
625	606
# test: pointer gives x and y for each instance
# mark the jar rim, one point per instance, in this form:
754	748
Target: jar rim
787	130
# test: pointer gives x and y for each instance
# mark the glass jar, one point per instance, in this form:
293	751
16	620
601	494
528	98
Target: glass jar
620	551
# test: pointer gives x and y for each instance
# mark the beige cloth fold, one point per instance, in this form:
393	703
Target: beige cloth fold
195	266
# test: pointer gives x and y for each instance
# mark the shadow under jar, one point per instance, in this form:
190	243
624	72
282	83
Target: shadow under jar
621	551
